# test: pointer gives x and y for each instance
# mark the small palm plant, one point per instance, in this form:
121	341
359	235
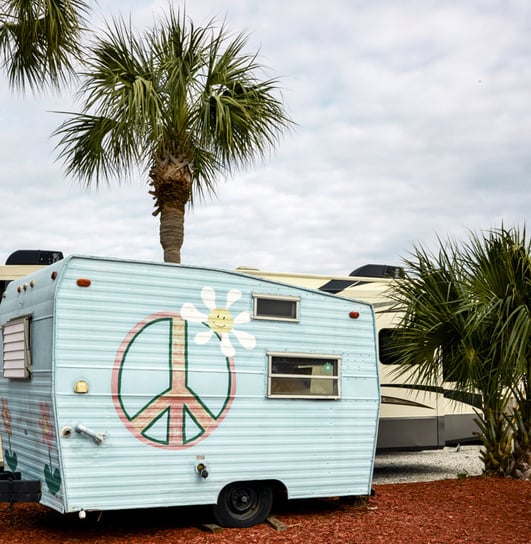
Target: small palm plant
500	281
467	319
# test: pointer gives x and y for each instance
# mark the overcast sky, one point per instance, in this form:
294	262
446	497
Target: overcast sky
413	121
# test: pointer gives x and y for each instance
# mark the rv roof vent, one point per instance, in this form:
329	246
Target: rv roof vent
378	271
34	256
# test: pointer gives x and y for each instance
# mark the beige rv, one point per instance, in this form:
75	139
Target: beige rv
25	261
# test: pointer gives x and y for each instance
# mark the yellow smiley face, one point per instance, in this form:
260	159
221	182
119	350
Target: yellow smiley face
220	320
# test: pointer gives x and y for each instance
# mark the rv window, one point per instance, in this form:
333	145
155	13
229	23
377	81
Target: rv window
303	376
278	308
17	348
386	345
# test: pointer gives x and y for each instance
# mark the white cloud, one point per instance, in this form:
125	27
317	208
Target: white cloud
413	120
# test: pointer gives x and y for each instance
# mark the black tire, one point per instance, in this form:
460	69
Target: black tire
243	504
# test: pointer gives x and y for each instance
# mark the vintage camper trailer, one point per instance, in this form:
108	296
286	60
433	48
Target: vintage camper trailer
129	384
411	417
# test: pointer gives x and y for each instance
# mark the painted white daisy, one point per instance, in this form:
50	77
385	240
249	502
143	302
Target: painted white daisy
220	321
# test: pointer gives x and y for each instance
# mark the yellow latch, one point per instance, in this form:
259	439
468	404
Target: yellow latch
81	386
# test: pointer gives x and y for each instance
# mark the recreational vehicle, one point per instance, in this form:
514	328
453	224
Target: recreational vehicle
24	261
411	417
129	384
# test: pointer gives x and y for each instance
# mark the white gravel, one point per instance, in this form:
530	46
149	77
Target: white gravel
427	465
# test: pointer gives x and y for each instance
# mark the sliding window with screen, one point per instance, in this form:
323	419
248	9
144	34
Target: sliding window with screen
304	376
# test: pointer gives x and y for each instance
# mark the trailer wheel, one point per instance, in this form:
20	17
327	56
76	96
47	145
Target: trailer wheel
243	504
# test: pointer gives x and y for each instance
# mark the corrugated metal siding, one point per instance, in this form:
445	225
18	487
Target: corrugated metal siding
29	429
315	447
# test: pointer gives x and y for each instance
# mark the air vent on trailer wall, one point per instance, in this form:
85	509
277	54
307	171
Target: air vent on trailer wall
16	348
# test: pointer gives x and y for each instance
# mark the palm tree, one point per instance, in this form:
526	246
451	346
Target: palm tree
182	103
468	318
500	281
40	40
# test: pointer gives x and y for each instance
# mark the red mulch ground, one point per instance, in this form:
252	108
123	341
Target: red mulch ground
476	510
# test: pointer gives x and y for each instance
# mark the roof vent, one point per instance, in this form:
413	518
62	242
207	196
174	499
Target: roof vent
378	271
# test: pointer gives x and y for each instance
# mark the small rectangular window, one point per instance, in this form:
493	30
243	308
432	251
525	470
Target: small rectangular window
17	348
304	376
278	308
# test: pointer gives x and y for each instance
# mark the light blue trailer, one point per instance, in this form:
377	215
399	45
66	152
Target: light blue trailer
130	384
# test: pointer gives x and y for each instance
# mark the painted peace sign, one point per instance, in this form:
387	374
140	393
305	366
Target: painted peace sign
156	390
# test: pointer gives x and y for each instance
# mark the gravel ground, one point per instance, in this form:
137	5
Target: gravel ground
427	465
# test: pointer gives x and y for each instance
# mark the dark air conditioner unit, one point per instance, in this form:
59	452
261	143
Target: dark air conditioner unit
378	271
34	256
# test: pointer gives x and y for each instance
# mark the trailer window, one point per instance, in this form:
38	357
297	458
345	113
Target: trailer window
304	376
275	307
17	348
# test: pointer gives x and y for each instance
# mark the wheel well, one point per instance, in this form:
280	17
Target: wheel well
280	491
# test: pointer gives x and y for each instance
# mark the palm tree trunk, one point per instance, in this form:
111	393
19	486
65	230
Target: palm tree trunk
522	441
171	232
171	180
496	436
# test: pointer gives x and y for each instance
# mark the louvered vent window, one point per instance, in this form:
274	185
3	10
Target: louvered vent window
17	348
304	376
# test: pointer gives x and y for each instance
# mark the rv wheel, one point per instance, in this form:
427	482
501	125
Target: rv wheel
243	504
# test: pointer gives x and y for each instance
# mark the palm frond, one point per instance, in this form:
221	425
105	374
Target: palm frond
182	90
40	40
95	148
